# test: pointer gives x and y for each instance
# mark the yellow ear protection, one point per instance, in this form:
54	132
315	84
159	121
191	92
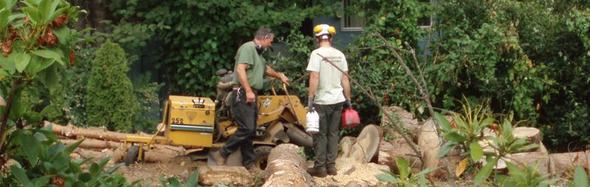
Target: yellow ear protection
323	30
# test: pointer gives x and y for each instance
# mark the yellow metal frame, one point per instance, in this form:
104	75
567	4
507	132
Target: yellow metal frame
271	108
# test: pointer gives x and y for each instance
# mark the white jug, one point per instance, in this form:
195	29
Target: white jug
313	122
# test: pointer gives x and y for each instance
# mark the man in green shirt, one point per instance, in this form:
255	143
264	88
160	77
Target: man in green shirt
250	68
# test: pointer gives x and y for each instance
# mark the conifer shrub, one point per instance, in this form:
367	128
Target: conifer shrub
110	100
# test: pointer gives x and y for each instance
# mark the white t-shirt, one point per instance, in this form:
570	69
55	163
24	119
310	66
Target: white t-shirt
330	89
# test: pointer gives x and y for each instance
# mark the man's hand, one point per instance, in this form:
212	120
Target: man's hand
284	78
347	104
310	107
250	97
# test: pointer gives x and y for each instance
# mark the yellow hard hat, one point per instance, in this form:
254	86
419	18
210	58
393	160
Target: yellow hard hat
324	29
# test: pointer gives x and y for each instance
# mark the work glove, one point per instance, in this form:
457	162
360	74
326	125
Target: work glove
310	107
347	104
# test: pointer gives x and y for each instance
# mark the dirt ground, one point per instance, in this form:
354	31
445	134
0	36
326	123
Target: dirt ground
152	174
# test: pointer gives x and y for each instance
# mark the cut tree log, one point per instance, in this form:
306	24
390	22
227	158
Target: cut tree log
538	159
2	102
73	132
563	164
287	168
366	145
225	175
389	151
429	144
346	146
406	121
157	153
93	143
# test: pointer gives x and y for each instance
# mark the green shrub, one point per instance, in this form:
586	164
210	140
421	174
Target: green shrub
41	160
110	100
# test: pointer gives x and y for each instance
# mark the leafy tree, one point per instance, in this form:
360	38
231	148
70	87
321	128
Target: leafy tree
110	100
35	38
374	66
195	39
524	59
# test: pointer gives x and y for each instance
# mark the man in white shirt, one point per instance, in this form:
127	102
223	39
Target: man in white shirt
329	91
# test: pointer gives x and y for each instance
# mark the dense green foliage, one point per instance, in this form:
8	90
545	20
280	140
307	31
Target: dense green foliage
191	49
374	66
41	160
527	58
110	100
36	42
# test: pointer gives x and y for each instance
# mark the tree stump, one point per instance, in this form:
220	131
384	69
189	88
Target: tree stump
532	135
286	167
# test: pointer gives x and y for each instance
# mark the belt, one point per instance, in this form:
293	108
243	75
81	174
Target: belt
238	88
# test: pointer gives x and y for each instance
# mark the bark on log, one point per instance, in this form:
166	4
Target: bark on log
366	145
406	121
389	151
162	153
429	144
563	164
93	143
287	168
538	159
73	132
2	102
225	175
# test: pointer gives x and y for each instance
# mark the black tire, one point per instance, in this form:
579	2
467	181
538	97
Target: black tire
261	153
131	155
299	137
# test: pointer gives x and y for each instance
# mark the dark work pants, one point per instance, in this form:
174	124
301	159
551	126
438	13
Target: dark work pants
326	141
244	115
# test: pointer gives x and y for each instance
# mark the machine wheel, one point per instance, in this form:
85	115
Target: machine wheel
299	137
131	155
261	153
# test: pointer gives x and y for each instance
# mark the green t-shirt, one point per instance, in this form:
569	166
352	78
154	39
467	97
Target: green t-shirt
257	65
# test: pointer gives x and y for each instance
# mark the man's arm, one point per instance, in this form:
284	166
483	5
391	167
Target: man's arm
281	76
314	79
346	85
243	77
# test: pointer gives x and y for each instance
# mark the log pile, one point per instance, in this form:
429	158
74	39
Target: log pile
100	143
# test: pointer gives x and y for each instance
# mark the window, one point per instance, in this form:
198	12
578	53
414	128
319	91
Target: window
426	21
351	22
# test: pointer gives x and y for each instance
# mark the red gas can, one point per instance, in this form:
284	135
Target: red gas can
350	118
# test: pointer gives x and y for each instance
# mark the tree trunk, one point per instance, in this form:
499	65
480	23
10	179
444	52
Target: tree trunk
287	168
93	144
73	132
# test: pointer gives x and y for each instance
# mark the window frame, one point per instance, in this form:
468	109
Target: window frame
431	20
343	20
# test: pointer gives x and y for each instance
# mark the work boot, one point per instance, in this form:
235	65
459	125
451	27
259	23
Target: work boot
218	158
317	172
332	170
